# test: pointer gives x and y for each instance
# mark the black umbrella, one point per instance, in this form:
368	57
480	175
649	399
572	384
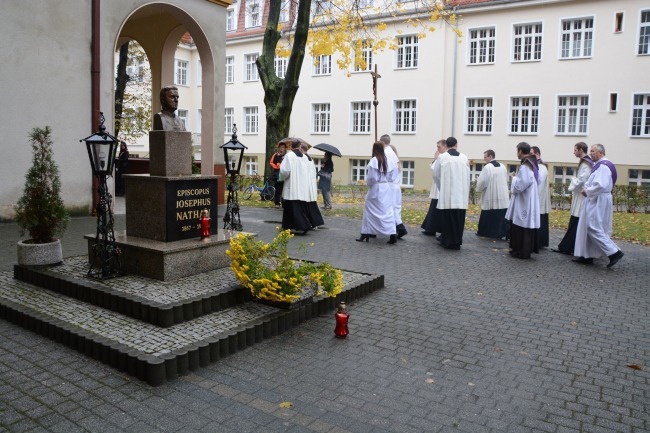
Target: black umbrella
328	148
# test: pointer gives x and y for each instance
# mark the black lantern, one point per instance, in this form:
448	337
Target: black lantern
104	260
102	147
234	149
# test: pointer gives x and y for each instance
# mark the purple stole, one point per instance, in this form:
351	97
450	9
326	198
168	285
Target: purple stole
587	160
609	164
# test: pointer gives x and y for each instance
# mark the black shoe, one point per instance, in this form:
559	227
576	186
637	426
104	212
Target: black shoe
555	250
401	231
439	238
363	238
392	240
584	261
614	258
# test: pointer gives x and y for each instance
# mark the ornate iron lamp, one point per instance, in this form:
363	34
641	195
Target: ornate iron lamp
102	147
233	149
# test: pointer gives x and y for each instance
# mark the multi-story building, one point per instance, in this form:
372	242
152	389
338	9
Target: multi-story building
548	72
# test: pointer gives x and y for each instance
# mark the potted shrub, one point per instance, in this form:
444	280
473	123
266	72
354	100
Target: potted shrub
40	211
273	277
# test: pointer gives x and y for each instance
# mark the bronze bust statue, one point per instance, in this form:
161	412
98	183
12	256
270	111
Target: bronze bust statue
166	120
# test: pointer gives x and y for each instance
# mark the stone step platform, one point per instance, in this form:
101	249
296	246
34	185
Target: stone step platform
160	303
151	353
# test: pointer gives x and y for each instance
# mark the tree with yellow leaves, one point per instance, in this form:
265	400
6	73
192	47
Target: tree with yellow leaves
326	27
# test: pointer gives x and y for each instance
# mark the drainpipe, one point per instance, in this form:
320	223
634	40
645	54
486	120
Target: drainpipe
94	83
453	84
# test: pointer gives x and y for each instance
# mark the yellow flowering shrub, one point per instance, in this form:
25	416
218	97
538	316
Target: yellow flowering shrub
269	273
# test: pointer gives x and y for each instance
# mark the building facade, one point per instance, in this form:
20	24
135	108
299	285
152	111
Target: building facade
548	72
62	74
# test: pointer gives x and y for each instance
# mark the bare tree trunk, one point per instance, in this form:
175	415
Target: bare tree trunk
120	85
279	93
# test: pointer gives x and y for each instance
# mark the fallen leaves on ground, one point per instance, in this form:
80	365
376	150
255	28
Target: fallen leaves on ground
286	404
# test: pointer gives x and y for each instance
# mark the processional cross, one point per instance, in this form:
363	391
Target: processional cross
375	75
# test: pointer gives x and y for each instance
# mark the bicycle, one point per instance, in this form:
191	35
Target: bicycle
267	191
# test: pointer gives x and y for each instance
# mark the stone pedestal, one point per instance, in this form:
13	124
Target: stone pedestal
168	209
170	153
168	261
163	211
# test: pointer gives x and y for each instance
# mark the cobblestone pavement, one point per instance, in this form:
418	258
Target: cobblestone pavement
458	341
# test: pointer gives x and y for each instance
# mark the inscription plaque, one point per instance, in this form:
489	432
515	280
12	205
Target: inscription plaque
185	201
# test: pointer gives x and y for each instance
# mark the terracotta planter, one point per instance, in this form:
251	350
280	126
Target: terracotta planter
39	254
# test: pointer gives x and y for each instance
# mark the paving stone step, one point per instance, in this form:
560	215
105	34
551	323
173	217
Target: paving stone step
159	303
149	352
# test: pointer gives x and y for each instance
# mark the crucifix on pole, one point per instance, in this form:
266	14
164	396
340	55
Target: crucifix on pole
375	75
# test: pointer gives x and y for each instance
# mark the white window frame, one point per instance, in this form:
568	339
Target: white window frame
525	109
358	170
405	116
280	64
577	48
230	69
250	165
184	115
530	41
366	54
643	32
407	53
638	180
199	73
199	120
616	15
641	111
475	170
181	72
285	11
231	19
254	10
318	163
251	120
407	175
479	115
135	70
322	65
229	119
565	175
250	68
320	118
479	42
360	117
320	7
564	125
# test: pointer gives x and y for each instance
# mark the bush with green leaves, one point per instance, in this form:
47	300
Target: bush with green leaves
40	211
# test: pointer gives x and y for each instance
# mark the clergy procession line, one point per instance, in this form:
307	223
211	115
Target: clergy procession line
518	213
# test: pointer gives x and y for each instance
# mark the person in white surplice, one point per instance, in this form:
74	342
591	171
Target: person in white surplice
452	174
299	191
391	154
492	183
593	236
567	244
523	211
378	211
